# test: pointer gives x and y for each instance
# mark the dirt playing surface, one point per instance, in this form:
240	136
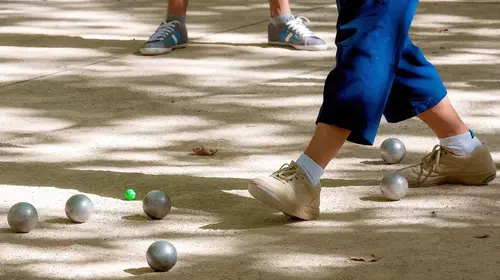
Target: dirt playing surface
81	113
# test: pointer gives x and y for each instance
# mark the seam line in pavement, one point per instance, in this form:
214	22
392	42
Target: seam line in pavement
123	55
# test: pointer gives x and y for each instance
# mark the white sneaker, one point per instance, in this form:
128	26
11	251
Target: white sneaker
289	191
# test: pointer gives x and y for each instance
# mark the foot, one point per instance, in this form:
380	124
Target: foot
441	166
296	34
289	191
169	35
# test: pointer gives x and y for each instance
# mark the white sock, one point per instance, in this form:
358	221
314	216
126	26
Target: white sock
461	145
284	18
311	168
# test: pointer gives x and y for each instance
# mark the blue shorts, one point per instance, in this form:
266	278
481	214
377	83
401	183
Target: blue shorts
379	71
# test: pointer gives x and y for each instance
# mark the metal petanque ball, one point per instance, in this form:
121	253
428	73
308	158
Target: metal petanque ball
161	256
392	150
156	204
394	186
22	217
79	208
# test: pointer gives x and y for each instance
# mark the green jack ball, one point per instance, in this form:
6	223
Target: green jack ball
130	194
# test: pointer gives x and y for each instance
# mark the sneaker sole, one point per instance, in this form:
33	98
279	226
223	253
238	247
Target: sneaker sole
480	179
265	196
159	51
302	48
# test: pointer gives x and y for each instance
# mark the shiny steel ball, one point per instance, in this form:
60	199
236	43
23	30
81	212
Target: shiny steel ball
22	217
394	186
156	204
392	150
161	256
79	208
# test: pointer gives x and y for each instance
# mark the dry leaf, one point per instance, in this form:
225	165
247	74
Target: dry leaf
203	152
372	259
481	236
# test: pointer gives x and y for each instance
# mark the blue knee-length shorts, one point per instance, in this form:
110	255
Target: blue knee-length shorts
379	71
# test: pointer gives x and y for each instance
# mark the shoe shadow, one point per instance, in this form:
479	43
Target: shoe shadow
252	222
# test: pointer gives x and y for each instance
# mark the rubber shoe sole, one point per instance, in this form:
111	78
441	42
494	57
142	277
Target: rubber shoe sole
299	47
159	51
479	179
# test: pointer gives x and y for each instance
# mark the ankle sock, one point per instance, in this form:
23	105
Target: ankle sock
284	18
461	145
181	19
311	168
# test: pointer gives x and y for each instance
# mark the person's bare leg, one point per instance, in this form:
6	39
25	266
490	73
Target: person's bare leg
326	142
469	162
177	7
444	120
279	7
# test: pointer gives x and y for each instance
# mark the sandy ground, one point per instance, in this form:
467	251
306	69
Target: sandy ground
81	113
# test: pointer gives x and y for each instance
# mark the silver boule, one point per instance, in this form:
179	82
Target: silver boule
22	217
394	186
161	256
79	208
156	204
392	150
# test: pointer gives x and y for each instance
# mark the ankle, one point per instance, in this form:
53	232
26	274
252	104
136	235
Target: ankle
461	144
312	170
283	18
179	18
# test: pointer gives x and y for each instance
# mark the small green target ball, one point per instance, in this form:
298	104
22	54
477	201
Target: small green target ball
130	194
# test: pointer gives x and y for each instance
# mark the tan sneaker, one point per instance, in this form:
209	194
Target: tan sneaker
441	166
289	191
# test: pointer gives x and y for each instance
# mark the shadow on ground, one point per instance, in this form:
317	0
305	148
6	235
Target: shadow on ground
104	119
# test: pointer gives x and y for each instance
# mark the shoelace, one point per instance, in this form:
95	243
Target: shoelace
298	26
286	172
430	163
165	29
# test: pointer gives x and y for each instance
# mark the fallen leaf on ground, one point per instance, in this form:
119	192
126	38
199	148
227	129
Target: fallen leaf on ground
203	152
372	258
481	236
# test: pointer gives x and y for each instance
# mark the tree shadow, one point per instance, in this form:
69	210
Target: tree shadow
130	121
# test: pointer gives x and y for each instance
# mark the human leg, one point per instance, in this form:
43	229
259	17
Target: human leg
418	91
177	8
355	95
172	33
279	7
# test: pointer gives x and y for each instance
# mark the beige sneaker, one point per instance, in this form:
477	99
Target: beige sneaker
441	166
289	191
